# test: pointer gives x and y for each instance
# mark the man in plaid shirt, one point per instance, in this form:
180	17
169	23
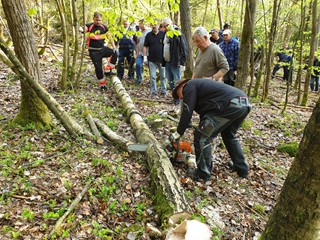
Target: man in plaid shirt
230	48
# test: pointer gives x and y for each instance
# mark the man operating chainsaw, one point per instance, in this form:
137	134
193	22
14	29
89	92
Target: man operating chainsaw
222	109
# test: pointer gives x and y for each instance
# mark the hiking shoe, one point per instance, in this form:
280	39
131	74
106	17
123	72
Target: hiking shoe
198	176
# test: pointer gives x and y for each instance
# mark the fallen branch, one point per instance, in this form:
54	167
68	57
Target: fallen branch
94	129
109	134
71	207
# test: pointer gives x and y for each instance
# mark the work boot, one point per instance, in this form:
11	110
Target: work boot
102	84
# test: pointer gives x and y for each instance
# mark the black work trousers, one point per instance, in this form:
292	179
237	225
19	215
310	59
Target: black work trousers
226	123
97	56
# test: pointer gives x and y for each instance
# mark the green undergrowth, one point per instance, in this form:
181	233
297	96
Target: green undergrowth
42	172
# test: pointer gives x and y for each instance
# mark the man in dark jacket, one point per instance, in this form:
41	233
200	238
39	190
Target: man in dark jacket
222	109
175	52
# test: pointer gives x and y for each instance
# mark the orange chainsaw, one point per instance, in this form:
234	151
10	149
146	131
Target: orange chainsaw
177	151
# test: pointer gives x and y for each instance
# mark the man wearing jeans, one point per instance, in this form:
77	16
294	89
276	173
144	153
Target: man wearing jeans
153	47
139	51
175	53
222	109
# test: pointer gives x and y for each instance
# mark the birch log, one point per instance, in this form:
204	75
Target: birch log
169	194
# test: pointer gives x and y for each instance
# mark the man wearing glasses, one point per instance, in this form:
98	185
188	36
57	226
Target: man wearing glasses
175	53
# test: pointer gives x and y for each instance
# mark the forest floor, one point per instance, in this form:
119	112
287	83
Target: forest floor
43	171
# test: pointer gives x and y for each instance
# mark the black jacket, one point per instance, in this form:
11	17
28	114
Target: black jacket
178	50
204	96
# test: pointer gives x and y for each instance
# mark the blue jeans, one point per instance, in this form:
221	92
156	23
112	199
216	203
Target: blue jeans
139	68
173	74
314	83
125	52
153	78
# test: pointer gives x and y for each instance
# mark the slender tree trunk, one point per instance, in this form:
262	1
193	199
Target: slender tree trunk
32	109
297	84
219	14
314	33
296	214
272	36
78	79
246	43
65	64
185	27
75	25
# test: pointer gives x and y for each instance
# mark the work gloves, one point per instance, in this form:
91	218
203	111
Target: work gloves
145	60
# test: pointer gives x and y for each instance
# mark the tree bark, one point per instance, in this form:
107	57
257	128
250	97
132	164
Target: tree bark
65	67
314	33
169	195
185	27
296	214
32	109
271	38
246	44
72	127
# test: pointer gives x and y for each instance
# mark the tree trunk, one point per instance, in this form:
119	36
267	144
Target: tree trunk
219	14
296	214
271	39
246	43
32	109
314	33
169	195
65	64
75	44
185	27
72	127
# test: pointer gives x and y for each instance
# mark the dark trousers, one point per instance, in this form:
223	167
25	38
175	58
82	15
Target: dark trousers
227	124
126	53
96	58
229	78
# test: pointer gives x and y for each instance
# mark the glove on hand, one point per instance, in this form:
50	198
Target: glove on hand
81	29
182	68
174	136
145	60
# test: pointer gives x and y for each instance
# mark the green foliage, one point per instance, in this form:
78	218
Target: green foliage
291	148
259	208
27	214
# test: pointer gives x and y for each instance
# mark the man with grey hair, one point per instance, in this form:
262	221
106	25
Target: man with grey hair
175	53
210	61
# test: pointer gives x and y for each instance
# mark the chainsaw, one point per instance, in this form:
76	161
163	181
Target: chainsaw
177	151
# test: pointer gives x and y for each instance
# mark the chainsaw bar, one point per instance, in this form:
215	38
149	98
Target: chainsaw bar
137	147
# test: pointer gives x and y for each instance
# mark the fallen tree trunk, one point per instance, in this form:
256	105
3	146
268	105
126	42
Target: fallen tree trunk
169	194
72	127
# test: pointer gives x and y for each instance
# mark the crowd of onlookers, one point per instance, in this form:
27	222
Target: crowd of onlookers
162	47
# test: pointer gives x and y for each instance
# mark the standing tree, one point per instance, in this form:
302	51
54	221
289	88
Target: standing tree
271	39
32	109
313	40
246	44
185	27
297	211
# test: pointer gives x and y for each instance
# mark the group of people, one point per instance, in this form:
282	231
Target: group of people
222	107
162	51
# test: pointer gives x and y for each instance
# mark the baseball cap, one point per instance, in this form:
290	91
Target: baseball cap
227	31
213	30
178	84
